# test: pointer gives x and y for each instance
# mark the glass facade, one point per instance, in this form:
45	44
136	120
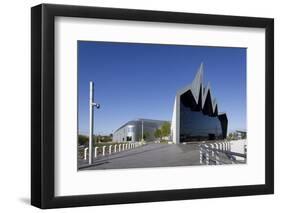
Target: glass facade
197	124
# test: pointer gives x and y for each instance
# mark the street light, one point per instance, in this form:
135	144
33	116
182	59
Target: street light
142	131
92	104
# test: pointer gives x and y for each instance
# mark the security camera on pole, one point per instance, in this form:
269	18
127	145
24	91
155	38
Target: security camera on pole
92	104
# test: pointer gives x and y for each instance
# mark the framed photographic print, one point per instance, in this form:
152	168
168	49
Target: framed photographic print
139	106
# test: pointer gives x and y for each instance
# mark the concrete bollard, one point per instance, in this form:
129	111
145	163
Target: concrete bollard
220	145
119	147
96	152
126	146
103	150
115	148
85	153
123	147
109	149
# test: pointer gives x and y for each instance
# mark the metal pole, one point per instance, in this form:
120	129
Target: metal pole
142	130
91	118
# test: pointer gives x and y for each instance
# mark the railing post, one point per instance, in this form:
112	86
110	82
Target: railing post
96	152
201	154
216	146
109	150
207	154
85	153
103	150
217	153
217	158
212	151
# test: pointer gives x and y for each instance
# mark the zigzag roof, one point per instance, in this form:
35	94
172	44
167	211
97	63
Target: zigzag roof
196	86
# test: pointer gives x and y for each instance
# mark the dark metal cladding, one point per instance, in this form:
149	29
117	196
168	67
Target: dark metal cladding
199	119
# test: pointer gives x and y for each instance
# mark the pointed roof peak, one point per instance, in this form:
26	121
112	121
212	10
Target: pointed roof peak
199	75
197	83
201	66
201	69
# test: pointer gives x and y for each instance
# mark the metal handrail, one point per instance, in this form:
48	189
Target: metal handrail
227	152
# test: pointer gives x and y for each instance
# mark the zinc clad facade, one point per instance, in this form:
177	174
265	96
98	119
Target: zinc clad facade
195	114
134	130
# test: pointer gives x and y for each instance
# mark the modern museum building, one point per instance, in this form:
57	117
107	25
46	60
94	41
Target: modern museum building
195	114
136	130
195	118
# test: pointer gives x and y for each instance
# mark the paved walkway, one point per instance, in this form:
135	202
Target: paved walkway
150	155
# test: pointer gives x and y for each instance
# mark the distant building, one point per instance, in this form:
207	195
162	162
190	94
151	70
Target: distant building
136	129
195	114
241	134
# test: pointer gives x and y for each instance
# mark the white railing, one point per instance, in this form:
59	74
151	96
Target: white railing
108	150
212	153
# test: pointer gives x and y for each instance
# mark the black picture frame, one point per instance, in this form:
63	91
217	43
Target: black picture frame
43	117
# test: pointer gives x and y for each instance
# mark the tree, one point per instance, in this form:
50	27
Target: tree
157	133
165	129
83	140
145	135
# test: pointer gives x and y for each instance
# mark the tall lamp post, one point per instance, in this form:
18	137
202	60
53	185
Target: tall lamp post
142	131
92	104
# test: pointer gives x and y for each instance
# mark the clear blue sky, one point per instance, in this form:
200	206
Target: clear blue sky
141	80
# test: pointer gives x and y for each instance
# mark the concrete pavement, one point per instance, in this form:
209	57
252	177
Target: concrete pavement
150	155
